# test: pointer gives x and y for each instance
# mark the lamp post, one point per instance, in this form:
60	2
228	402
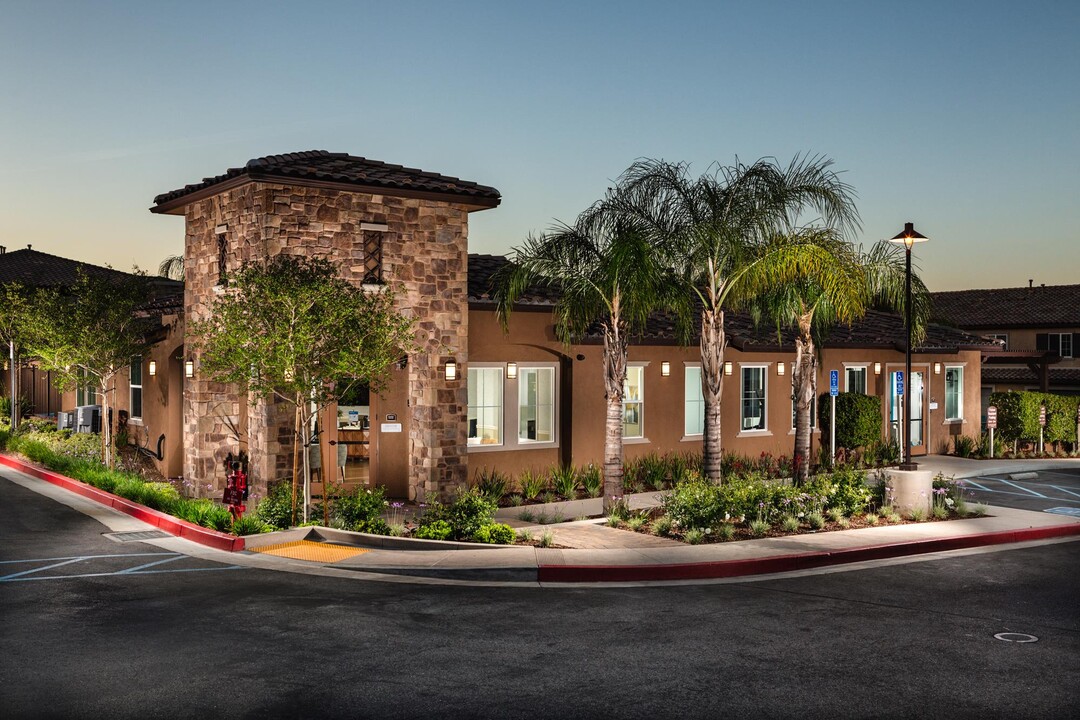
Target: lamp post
908	237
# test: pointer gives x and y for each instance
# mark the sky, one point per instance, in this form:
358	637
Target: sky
962	117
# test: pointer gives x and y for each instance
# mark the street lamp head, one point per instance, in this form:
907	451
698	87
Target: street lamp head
909	236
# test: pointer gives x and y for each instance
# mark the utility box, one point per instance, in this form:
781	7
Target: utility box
88	419
65	421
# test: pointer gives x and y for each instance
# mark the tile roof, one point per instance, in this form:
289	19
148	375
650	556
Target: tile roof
320	166
875	329
1058	376
33	268
1034	307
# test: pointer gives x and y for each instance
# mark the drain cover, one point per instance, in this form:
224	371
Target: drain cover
137	535
1016	637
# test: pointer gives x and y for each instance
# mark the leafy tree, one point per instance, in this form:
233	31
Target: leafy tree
13	306
813	310
294	330
89	331
732	234
605	275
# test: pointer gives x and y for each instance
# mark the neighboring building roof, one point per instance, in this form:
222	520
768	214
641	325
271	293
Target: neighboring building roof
1022	307
33	268
319	167
875	329
1024	376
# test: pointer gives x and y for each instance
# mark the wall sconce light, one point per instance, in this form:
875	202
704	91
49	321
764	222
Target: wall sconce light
665	368
877	368
450	370
781	368
728	369
153	368
511	370
189	368
937	368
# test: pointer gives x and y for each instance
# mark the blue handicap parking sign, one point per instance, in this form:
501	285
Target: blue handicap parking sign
834	382
899	383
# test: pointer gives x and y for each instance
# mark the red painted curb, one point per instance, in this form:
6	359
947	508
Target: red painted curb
160	520
787	563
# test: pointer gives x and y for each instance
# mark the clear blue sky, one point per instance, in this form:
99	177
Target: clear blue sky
963	117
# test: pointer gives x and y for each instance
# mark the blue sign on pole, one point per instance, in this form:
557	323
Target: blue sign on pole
899	383
834	382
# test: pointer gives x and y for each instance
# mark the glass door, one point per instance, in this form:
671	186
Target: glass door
917	388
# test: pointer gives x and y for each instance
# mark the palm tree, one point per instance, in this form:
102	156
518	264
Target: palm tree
172	267
805	306
605	275
731	233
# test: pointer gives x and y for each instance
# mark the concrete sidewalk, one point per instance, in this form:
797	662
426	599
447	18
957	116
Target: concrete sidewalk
661	561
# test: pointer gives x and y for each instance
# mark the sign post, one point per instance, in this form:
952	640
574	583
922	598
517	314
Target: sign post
1042	426
900	412
834	390
991	423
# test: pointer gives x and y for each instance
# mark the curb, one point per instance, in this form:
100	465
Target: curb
789	563
162	521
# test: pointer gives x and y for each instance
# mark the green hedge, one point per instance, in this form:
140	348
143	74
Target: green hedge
1018	416
858	419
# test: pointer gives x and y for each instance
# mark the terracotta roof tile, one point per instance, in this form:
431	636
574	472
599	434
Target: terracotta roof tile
1034	307
1058	376
323	166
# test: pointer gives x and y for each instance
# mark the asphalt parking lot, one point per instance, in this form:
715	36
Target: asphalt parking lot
1056	490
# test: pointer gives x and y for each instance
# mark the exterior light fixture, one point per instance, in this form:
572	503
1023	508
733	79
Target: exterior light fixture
189	368
289	375
152	368
450	370
908	237
511	370
728	369
937	368
781	368
877	368
665	368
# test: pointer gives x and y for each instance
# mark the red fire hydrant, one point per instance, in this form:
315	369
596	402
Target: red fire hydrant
236	484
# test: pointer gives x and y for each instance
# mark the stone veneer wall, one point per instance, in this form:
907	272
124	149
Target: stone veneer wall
424	254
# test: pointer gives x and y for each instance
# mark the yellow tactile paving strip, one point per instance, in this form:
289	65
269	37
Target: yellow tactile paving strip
311	551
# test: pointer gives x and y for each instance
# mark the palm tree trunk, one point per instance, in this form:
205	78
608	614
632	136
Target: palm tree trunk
713	343
615	343
802	381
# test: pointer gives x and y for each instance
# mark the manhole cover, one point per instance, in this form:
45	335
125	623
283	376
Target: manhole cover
1016	637
137	535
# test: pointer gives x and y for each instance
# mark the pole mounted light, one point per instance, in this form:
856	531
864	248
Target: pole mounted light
908	237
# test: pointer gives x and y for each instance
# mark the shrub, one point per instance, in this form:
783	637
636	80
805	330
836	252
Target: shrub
858	418
815	520
662	526
694	536
759	528
531	484
547	539
276	508
249	525
435	530
653	472
564	480
789	523
964	446
495	534
1018	416
362	511
492	484
466	515
592	480
845	490
25	407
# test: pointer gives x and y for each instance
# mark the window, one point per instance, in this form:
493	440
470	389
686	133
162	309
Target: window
86	389
954	393
633	402
1063	344
485	406
855	380
135	406
694	403
536	405
753	398
1066	345
1002	337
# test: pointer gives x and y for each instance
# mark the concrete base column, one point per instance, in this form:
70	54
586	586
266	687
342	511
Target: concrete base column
907	490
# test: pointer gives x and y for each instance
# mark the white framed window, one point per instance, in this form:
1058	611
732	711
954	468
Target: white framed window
855	379
1066	345
536	404
135	392
633	417
954	392
693	402
753	405
86	389
485	411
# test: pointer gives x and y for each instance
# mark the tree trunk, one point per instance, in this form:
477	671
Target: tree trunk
106	429
713	343
802	386
297	435
615	343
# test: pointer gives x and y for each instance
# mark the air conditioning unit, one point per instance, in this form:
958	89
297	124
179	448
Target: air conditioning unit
65	421
88	419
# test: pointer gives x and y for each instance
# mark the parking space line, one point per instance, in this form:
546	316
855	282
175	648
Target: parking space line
121	572
969	481
138	568
6	578
1021	487
85	557
1064	490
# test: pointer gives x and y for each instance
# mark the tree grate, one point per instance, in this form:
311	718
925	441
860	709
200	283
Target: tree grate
137	535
